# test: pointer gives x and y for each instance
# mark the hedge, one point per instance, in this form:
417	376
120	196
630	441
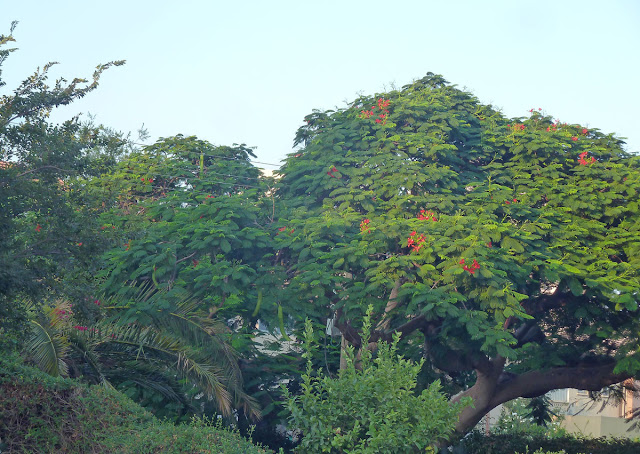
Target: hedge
43	414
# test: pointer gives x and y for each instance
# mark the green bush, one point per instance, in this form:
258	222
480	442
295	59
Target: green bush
370	410
478	443
42	414
516	419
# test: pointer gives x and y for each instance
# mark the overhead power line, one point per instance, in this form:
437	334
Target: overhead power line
228	158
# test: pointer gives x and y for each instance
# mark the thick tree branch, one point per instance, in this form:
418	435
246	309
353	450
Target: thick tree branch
538	382
491	390
392	303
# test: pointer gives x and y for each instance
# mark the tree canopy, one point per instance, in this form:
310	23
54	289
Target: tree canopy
505	252
507	247
44	222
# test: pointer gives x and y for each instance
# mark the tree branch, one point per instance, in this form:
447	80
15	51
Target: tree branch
490	390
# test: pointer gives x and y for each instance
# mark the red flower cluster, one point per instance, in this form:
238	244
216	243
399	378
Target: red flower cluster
81	328
574	138
531	110
96	302
426	215
195	262
471	269
517	126
508	202
364	226
150	180
332	171
127	246
282	229
554	126
583	161
415	242
63	314
38	228
383	106
78	244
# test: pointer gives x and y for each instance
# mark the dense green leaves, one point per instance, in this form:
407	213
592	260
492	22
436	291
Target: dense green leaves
486	226
369	409
47	242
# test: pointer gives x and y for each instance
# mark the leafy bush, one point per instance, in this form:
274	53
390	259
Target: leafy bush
478	443
516	419
373	409
43	414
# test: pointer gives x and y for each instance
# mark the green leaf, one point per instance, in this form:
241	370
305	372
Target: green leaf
225	246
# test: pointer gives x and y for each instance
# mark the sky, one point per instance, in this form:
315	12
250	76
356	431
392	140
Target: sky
248	71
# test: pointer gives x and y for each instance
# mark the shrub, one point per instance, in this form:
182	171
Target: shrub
43	414
373	409
516	419
477	443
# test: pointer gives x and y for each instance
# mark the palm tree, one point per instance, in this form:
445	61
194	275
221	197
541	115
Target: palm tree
171	349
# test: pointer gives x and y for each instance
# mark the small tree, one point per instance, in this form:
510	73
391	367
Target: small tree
371	407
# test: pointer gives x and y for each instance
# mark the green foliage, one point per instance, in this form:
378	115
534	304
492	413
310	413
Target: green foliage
162	360
42	414
371	407
540	451
478	443
483	239
47	239
517	419
192	219
515	199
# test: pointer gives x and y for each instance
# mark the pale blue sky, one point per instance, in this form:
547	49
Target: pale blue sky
249	71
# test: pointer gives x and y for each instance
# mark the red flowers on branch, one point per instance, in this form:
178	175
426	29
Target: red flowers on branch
471	269
364	226
426	215
415	241
282	229
383	106
583	161
38	228
332	171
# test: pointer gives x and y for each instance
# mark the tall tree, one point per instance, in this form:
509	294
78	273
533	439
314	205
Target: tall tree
194	220
507	248
43	222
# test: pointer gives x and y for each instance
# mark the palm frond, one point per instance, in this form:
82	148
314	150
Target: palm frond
179	338
148	345
48	348
85	346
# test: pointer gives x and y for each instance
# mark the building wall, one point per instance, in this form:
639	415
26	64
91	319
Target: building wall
599	426
603	417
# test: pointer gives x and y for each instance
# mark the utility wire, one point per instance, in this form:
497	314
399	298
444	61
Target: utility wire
193	177
228	158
